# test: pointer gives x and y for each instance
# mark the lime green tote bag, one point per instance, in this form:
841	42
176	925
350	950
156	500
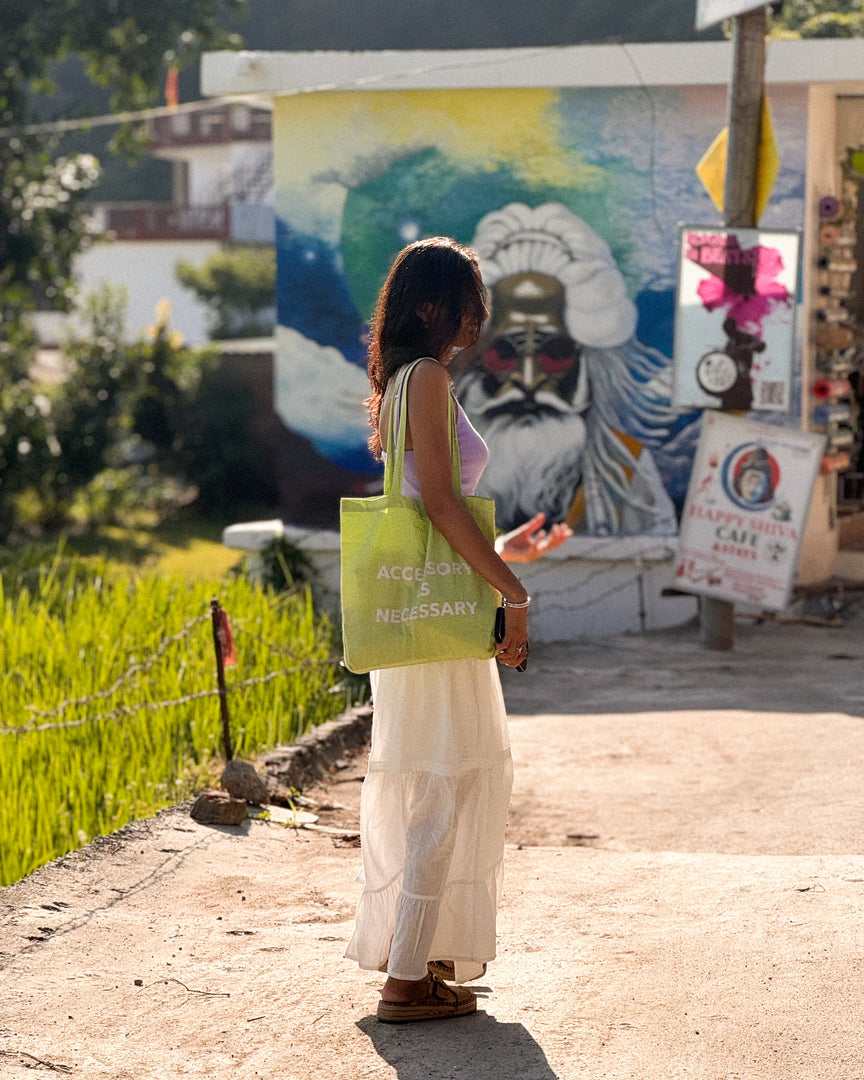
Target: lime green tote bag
407	596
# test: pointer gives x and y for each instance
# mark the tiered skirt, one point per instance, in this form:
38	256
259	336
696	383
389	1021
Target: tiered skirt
432	819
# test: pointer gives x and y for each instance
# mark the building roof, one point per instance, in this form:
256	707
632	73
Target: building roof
671	64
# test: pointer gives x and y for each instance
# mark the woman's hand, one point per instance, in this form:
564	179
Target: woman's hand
513	649
531	541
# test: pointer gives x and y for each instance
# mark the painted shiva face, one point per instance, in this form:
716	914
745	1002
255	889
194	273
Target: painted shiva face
753	485
529	363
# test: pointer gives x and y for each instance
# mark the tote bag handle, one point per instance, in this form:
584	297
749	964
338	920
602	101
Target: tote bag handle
394	467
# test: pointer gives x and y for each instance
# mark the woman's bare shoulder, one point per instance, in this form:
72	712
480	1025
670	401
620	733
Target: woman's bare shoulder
428	385
428	376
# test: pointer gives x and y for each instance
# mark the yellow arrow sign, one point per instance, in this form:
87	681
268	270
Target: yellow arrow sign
711	170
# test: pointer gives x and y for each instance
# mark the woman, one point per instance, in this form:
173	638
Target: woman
435	798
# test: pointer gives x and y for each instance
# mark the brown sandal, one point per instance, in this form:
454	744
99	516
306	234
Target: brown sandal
446	970
440	1002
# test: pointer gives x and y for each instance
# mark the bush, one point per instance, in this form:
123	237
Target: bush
239	286
134	428
285	565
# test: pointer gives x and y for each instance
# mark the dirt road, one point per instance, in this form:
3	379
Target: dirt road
683	898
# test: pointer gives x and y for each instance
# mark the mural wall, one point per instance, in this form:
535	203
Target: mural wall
572	198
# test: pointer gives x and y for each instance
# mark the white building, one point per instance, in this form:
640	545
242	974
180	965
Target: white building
222	193
618	584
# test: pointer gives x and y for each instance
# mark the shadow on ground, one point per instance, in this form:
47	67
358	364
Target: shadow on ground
773	666
476	1047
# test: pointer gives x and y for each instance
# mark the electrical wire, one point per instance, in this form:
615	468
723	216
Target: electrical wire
652	152
85	123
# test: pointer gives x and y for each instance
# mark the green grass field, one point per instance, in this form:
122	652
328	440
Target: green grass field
107	706
184	546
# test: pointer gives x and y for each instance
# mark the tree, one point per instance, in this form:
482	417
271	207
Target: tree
41	228
238	285
126	46
818	19
190	411
136	427
89	417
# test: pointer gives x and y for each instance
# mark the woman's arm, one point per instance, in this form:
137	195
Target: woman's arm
428	395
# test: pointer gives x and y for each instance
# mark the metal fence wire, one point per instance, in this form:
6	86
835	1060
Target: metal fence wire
41	720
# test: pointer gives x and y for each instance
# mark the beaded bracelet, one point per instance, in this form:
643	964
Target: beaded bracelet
509	603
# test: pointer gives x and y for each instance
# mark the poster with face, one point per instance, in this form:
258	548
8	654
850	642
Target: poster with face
745	510
735	319
571	198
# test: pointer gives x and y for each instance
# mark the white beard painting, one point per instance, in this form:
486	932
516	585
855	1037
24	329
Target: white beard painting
568	401
535	463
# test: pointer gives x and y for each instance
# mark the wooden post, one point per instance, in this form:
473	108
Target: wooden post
717	617
746	92
220	678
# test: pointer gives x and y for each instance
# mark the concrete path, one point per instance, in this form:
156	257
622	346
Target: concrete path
684	898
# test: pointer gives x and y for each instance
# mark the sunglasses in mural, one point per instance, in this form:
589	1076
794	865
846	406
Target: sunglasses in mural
530	360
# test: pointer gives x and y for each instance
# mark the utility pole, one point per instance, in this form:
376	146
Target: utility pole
746	91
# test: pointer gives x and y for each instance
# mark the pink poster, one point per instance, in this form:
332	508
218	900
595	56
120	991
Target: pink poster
735	319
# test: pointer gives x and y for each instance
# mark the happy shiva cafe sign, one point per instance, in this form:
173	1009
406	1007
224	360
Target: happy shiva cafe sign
711	12
745	510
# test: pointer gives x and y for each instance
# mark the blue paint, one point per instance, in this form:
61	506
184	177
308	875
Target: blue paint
354	459
312	295
656	325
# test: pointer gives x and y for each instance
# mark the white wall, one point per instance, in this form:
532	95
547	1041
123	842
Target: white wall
211	171
146	269
702	63
220	173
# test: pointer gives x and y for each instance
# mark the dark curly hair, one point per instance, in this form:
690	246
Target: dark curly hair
439	278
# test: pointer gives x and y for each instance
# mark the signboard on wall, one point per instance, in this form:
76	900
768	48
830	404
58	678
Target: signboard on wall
735	318
711	12
745	510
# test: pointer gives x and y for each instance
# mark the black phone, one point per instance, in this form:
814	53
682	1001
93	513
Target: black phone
500	625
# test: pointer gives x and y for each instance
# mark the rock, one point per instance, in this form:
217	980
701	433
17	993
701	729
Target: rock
218	808
242	781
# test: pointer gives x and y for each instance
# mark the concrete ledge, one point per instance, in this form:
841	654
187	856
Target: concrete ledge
311	756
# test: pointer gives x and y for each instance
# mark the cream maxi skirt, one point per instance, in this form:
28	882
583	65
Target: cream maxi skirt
432	817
